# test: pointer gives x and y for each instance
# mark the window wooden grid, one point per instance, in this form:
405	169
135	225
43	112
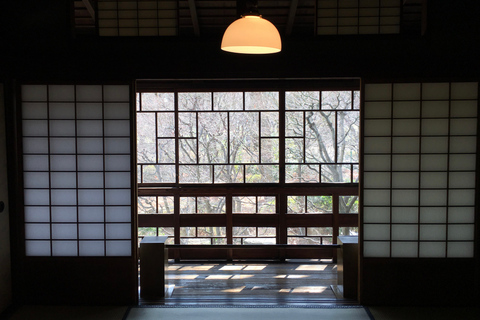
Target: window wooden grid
420	143
77	170
137	17
337	17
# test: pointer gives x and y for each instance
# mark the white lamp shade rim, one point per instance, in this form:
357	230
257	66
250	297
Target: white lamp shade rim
251	35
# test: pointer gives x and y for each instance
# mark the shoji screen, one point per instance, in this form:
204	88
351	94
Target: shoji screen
419	160
77	170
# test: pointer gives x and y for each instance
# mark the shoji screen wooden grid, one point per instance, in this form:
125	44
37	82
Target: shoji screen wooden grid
137	18
419	160
358	16
77	170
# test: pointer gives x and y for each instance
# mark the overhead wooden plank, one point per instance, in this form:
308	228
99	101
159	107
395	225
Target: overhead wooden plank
89	7
193	13
291	16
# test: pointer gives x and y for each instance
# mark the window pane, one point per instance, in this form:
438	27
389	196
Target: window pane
261	100
213	139
158	101
228	101
228	173
336	100
244	140
187	150
348	204
195	174
195	101
244	204
147	205
320	137
294	124
319	204
211	204
166	151
302	100
269	124
347	136
158	174
302	173
166	124
270	151
296	204
262	174
187	124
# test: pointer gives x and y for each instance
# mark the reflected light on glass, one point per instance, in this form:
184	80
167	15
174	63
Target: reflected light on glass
251	34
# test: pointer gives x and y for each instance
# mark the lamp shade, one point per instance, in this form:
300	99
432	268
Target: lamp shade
251	34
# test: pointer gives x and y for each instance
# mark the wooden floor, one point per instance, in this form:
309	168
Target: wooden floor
292	282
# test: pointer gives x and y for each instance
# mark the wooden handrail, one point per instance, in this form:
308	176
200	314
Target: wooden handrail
252	246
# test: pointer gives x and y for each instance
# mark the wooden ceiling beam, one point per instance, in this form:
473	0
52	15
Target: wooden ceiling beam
291	16
193	13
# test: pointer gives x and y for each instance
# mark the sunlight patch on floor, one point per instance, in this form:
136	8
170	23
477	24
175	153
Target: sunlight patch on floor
218	277
311	267
230	267
254	268
234	290
194	268
312	289
181	276
242	276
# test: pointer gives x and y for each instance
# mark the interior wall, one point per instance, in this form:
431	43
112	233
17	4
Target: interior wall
5	271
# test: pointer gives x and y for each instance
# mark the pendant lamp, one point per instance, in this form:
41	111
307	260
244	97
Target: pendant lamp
251	34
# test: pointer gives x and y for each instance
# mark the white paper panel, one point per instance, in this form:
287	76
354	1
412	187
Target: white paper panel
119	248
461	180
405	162
460	250
435	127
34	93
377	127
461	232
463	126
404	232
89	92
117	179
90	180
35	180
61	111
35	145
462	162
36	197
405	214
376	232
433	232
91	248
86	128
119	231
61	197
405	144
35	127
89	111
404	197
117	111
64	231
37	214
433	215
406	109
34	110
91	214
376	163
117	145
376	249
376	214
114	128
64	248
117	163
435	109
464	90
435	180
376	198
62	128
435	91
62	145
434	145
91	231
35	163
404	249
461	215
117	93
464	108
378	110
37	231
61	92
405	180
432	249
406	127
118	214
434	162
117	197
90	197
90	145
463	144
63	179
62	163
37	248
64	214
378	92
90	162
433	197
461	197
376	180
377	145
